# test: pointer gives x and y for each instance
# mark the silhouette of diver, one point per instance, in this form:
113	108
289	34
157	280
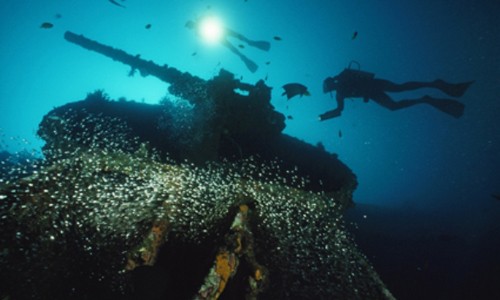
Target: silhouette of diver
355	83
262	45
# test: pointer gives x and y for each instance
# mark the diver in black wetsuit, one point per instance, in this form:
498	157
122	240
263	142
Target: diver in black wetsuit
359	84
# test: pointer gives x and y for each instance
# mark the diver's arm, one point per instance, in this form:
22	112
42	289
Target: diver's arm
336	112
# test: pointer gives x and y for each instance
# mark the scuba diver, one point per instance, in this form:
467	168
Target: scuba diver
225	33
360	84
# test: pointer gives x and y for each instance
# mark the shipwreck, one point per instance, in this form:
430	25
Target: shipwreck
203	197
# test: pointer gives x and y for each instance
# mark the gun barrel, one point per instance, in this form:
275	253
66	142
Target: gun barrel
165	73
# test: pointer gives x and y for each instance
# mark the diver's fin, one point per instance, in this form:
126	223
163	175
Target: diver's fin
448	106
453	89
250	64
262	45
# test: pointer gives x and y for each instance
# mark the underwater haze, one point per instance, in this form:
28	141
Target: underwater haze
428	199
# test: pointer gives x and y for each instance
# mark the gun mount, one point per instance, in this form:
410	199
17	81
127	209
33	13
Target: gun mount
233	125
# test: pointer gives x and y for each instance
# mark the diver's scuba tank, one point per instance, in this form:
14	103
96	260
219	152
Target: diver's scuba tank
356	74
350	80
355	80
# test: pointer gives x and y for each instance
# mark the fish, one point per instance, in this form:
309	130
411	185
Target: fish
340	133
58	16
241	46
294	89
289	117
148	26
46	25
496	196
277	38
194	53
354	35
117	4
268	62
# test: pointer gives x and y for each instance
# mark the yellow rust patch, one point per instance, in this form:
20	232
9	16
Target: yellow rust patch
258	275
146	254
244	208
225	266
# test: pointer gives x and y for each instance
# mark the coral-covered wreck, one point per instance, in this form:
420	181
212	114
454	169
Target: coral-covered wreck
200	197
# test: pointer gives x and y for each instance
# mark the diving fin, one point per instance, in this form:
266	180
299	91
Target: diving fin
250	64
448	106
262	45
453	89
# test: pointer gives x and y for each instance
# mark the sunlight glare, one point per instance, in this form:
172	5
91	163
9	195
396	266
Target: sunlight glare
211	29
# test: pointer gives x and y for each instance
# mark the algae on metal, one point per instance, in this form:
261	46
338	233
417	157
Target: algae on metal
85	217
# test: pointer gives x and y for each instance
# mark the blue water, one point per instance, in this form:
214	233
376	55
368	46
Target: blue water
425	178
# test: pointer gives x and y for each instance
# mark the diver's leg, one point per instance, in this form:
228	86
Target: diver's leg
451	89
449	106
389	86
236	35
249	63
262	45
384	100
